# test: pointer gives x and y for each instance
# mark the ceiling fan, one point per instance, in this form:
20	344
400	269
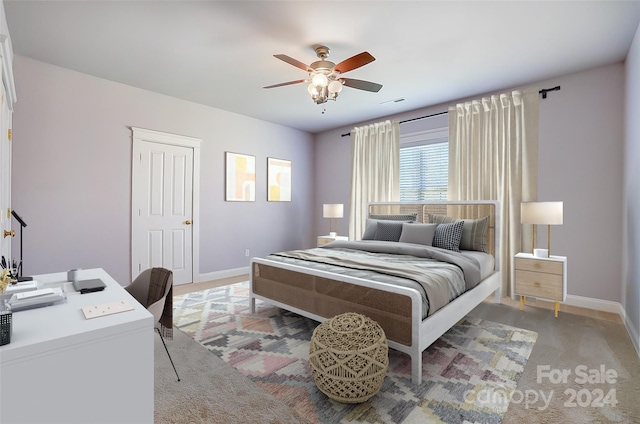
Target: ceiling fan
325	76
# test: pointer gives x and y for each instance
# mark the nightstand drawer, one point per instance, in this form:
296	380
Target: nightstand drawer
539	284
535	265
322	240
325	240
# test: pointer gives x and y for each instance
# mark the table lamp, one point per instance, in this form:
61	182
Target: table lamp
332	211
20	277
545	213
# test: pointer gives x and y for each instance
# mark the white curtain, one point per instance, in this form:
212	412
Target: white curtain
493	155
375	170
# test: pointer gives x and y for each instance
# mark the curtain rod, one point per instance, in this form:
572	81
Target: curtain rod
412	119
544	92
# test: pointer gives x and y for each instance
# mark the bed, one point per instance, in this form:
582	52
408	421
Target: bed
407	301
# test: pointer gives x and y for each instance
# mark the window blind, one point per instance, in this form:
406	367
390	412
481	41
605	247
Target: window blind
424	172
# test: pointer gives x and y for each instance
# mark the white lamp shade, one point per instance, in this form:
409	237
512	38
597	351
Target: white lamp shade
335	86
546	213
332	210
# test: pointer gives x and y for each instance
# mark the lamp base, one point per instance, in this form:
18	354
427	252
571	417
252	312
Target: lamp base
541	253
333	234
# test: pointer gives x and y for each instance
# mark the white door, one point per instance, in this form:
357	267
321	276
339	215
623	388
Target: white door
162	208
5	176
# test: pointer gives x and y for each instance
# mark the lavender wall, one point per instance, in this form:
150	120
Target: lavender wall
580	163
72	173
631	223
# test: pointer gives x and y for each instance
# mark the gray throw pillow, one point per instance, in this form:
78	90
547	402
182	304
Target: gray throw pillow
418	233
447	236
389	230
474	233
370	229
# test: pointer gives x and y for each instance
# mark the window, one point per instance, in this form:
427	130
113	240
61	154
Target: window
424	166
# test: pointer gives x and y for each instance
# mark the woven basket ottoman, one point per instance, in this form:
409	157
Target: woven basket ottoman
349	357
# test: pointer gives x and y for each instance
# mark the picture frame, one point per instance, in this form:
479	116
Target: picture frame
240	182
278	180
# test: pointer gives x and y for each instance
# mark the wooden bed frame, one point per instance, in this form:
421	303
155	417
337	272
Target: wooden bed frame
320	295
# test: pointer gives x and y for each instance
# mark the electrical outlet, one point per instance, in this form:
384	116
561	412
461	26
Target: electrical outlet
246	253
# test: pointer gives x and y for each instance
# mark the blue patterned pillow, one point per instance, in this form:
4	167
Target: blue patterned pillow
448	236
388	231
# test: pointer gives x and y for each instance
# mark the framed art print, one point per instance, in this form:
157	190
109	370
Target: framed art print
240	177
278	180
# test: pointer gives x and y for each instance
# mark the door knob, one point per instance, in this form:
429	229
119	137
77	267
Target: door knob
9	233
187	222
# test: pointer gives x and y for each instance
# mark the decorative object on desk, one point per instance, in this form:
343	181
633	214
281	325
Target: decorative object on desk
546	213
72	275
278	180
240	178
6	316
332	211
23	224
106	309
5	280
10	268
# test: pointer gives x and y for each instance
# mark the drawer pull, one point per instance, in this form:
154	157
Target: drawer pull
536	284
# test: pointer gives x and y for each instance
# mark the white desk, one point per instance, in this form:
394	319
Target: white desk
63	368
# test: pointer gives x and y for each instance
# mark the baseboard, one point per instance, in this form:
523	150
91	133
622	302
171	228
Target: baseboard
633	334
596	304
226	273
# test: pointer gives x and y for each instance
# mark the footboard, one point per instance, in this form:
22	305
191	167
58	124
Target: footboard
320	297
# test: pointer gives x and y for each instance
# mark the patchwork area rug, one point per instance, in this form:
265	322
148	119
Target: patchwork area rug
469	374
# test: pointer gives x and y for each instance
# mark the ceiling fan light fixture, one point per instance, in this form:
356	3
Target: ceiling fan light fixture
325	76
320	80
335	86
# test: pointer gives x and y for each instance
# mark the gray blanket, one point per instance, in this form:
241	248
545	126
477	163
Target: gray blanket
435	282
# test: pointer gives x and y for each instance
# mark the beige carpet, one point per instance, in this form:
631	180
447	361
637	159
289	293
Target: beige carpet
210	391
565	343
213	392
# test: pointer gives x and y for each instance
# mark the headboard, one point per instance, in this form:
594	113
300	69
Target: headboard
454	209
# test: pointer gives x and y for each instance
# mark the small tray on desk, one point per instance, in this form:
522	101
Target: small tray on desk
37	298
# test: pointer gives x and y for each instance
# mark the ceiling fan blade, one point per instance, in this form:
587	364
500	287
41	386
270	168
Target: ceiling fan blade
285	83
361	85
292	61
354	62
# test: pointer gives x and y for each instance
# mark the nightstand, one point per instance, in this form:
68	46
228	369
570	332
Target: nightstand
322	240
544	278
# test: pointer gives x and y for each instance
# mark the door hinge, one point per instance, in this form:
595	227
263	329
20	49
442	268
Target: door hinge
9	134
8	213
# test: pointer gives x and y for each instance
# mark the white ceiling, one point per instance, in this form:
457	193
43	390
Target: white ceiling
220	53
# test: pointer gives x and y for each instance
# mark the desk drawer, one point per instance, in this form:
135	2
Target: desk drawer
538	284
551	267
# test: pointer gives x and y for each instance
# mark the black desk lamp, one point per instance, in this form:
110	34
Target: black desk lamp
22	225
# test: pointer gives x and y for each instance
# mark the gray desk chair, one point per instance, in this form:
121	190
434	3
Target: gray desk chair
153	289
